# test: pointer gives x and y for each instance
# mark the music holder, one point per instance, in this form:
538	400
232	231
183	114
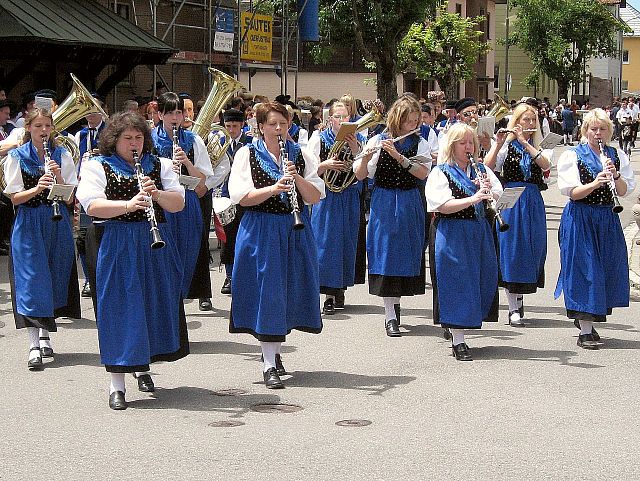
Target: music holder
189	182
346	128
61	192
509	197
550	141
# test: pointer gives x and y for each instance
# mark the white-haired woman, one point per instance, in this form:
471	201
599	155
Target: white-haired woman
461	248
594	274
523	247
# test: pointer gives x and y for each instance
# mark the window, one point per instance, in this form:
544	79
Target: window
121	9
625	85
625	56
496	77
487	22
459	9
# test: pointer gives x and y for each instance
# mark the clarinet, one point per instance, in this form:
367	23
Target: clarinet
293	196
47	158
157	243
175	141
490	205
617	207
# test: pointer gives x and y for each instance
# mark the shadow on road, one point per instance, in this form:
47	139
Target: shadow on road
374	385
82	323
68	359
520	354
227	347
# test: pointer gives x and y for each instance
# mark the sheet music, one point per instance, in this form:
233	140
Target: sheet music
509	197
550	141
61	192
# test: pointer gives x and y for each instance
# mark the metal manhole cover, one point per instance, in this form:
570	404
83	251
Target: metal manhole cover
229	392
226	424
353	423
276	408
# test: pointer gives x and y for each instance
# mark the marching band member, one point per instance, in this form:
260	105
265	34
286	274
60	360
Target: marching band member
336	218
462	253
275	272
594	273
395	237
44	283
137	295
523	247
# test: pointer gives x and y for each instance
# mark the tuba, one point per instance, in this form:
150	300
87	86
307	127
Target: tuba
500	108
338	181
223	88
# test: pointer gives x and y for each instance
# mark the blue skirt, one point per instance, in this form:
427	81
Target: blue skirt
523	247
275	283
395	236
594	266
43	253
336	222
137	295
186	228
466	272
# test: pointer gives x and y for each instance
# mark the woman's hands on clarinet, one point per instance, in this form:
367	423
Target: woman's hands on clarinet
484	191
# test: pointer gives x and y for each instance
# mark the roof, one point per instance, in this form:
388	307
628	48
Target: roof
631	17
75	23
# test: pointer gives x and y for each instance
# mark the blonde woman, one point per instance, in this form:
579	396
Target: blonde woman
464	268
594	274
523	247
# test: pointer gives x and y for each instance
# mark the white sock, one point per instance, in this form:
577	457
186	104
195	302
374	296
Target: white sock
138	374
45	342
512	299
389	310
458	336
269	351
34	341
586	327
117	382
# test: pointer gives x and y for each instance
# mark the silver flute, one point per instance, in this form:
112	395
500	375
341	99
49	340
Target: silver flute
293	195
490	205
57	215
157	242
604	158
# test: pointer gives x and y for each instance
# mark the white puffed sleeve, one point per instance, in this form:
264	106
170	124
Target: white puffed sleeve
437	190
220	173
314	144
240	180
372	143
303	137
311	162
93	183
69	169
423	155
170	180
496	186
501	156
12	175
626	171
201	159
568	173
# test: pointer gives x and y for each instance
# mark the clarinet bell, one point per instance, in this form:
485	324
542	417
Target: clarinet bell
157	243
297	221
502	225
617	207
56	212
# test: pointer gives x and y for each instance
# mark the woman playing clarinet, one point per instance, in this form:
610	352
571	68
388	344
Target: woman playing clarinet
137	295
594	269
461	248
522	247
275	270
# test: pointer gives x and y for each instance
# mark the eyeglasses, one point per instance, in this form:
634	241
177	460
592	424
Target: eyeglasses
340	117
469	114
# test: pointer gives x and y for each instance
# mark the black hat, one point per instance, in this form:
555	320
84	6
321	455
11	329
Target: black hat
283	99
233	115
451	104
464	103
47	94
184	96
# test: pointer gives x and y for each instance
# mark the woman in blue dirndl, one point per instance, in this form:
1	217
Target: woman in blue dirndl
336	218
594	268
44	282
464	267
138	302
275	281
523	247
395	235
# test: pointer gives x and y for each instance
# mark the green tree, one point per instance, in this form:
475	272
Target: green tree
561	36
445	49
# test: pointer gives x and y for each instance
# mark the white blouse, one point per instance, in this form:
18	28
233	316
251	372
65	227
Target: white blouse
241	182
202	161
423	155
569	175
13	174
93	181
438	191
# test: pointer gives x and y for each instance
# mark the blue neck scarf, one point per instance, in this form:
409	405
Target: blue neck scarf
164	143
293	130
30	163
268	164
464	183
588	158
525	159
122	168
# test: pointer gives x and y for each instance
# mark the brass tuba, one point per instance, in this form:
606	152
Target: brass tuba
337	181
223	88
500	108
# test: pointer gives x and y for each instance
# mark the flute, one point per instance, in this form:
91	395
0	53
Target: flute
490	205
150	211
47	158
604	158
293	196
372	150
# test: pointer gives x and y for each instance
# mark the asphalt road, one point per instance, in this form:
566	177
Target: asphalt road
532	405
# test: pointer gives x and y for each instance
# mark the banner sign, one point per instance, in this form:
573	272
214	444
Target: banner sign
257	43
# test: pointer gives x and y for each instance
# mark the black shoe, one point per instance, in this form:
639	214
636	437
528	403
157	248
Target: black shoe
271	379
117	401
279	366
328	307
205	305
515	321
462	352
86	290
35	364
586	341
521	308
396	308
392	327
46	351
447	334
594	333
339	303
145	383
226	287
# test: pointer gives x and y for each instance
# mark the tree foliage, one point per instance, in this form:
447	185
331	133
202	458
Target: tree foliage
445	49
561	36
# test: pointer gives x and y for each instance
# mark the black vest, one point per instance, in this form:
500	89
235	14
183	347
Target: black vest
391	175
602	195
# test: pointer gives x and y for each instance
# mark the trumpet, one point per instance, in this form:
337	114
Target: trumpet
490	205
373	150
47	158
604	158
157	243
293	196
